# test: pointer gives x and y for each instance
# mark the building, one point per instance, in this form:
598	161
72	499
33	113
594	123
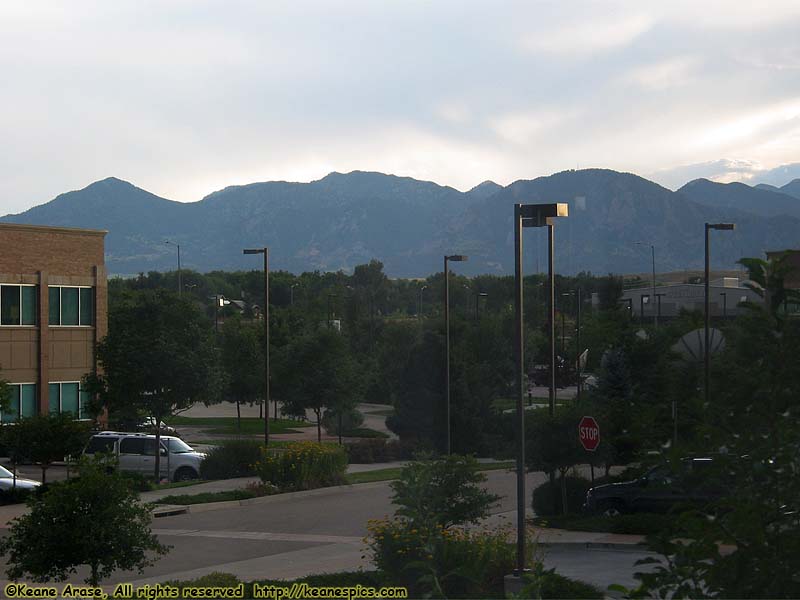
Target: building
725	297
53	310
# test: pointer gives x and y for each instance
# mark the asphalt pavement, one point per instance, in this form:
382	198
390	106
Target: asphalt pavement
291	535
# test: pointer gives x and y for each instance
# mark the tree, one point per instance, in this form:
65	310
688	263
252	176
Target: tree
768	278
317	372
5	393
242	359
158	357
442	492
50	438
94	519
752	426
551	443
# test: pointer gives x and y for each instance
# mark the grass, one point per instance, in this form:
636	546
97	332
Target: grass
176	484
508	403
227	425
272	443
384	412
394	472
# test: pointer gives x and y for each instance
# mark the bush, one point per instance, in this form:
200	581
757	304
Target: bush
303	466
447	563
17	496
380	450
576	496
251	491
232	458
549	584
138	482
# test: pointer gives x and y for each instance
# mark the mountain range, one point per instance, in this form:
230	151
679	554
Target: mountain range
347	219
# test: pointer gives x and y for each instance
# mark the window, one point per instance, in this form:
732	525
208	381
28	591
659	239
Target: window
71	306
132	446
23	402
66	397
100	444
17	304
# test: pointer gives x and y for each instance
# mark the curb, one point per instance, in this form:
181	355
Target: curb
617	546
168	510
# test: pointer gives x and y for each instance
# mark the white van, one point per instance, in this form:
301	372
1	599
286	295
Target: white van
136	452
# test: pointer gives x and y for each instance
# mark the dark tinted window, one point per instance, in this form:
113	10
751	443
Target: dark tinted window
100	444
132	446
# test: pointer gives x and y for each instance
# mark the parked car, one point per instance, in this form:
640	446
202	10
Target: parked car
136	452
660	489
148	425
7	483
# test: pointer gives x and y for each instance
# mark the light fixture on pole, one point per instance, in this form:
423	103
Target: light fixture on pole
707	340
265	316
447	259
419	309
653	254
178	246
531	215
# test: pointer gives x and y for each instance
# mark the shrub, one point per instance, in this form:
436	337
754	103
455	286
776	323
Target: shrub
232	458
380	450
549	584
442	492
444	563
138	482
17	496
576	496
303	466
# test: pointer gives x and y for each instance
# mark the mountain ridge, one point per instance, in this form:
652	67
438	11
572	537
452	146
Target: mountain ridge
345	219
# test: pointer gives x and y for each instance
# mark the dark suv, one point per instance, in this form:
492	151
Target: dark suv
693	483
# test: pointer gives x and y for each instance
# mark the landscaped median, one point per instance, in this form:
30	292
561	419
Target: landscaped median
304	467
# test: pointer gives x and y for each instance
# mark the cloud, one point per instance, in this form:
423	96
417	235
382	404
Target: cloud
592	35
665	74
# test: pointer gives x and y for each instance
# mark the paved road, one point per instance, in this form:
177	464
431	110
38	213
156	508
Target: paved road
292	535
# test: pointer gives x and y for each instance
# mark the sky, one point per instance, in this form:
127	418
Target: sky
186	97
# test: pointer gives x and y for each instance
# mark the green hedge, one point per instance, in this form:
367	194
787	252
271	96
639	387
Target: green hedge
576	496
232	458
379	450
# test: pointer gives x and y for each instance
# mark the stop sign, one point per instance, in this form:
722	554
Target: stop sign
589	433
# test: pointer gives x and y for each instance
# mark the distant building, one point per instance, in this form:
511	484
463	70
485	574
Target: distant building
725	296
53	310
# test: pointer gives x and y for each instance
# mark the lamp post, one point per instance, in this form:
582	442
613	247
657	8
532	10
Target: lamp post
643	299
291	293
706	349
658	297
178	246
447	259
653	254
265	316
530	215
419	309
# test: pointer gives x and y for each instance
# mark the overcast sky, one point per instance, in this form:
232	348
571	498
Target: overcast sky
186	97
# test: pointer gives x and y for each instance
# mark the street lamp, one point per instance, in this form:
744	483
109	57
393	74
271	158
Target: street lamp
419	310
265	316
178	246
531	215
706	349
447	259
653	251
